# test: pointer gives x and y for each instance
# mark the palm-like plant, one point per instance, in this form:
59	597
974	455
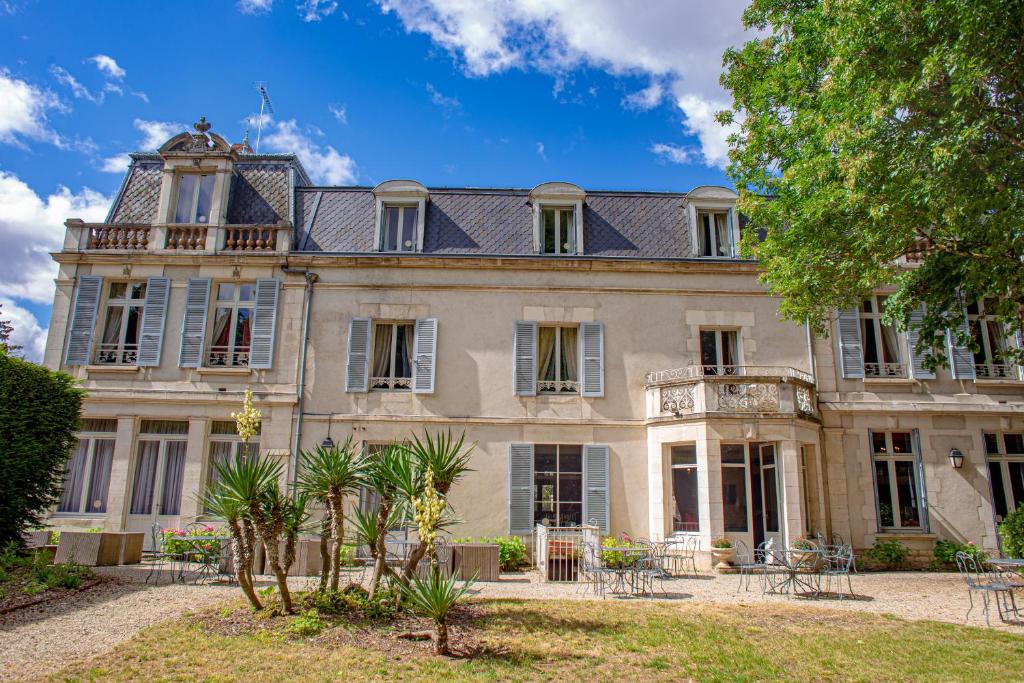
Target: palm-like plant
434	598
219	501
329	475
389	473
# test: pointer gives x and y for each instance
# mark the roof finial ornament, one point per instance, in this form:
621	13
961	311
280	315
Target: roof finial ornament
201	125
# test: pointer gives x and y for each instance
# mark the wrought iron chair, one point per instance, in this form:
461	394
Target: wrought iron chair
594	573
986	584
837	562
160	558
681	554
749	563
648	569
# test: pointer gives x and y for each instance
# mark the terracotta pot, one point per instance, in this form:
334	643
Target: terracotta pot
722	557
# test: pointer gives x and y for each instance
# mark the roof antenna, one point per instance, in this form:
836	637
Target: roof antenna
261	88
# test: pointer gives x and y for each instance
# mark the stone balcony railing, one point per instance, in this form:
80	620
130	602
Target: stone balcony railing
730	390
253	239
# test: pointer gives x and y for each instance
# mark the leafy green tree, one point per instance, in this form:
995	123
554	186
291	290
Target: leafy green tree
875	129
39	414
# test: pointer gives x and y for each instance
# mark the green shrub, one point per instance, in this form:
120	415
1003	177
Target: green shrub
348	556
32	573
617	558
1011	531
38	419
511	550
355	600
307	624
180	545
945	553
889	554
54	537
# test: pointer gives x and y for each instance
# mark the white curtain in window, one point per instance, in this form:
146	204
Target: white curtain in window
545	353
570	357
382	350
409	339
145	478
70	500
99	482
889	344
174	471
112	331
722	232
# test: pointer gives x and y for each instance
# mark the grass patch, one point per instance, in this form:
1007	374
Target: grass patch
531	640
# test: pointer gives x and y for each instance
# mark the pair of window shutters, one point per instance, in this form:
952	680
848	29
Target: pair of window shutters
86	308
197	310
520	483
360	350
524	351
851	348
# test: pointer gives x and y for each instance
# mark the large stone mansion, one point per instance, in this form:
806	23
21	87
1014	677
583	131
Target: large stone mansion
613	358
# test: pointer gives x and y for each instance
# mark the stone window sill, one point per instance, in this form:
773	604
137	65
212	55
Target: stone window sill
117	369
240	372
890	381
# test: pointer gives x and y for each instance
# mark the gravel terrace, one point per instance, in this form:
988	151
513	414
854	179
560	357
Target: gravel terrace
44	638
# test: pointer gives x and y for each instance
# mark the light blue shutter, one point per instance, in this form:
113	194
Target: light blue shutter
917	369
264	323
357	371
520	488
154	318
592	353
595	481
923	488
193	324
961	360
524	374
851	353
424	356
83	319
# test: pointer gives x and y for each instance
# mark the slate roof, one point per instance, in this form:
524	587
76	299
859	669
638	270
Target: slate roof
140	193
498	222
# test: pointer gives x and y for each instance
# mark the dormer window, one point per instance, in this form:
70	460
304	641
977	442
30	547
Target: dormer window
194	198
558	230
399	231
714	233
714	222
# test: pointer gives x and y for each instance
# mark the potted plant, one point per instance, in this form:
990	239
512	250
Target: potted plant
807	559
721	553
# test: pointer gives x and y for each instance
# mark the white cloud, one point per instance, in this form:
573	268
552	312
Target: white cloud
77	89
23	111
442	100
674	153
254	6
109	66
540	151
340	112
27	332
315	10
32	226
324	164
156	133
677	43
643	100
115	164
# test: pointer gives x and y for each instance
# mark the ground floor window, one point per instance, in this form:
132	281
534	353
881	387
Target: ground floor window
1005	454
87	480
734	487
225	444
558	485
898	485
685	508
159	468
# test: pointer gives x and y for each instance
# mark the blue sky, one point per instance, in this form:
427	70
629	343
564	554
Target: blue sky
604	93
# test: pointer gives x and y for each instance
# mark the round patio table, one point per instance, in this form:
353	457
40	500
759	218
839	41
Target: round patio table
625	566
793	563
208	561
1012	569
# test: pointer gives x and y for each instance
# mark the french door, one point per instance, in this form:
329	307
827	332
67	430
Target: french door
155	496
750	493
770	494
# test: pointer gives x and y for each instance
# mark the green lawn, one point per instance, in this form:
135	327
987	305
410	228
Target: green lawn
571	640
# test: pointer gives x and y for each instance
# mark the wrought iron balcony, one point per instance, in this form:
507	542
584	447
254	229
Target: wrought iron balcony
885	370
995	371
391	383
116	354
731	390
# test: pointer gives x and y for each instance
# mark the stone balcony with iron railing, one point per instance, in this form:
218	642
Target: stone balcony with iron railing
732	390
248	239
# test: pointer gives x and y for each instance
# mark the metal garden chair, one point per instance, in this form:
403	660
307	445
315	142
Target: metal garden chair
986	584
837	562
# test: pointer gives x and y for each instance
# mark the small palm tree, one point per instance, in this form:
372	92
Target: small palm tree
434	598
329	475
219	501
388	473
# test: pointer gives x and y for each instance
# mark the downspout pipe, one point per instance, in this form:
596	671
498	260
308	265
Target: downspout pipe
300	391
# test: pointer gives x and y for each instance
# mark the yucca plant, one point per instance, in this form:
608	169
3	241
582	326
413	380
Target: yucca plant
220	502
389	474
329	475
434	598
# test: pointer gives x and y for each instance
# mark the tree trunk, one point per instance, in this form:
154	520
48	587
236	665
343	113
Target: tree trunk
383	512
274	557
242	559
325	551
441	641
336	506
414	559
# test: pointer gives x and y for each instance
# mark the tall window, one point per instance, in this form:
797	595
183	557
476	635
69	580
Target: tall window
714	233
557	360
87	480
734	486
897	486
558	485
718	352
990	358
122	324
159	468
232	325
882	356
225	444
1005	454
398	230
392	356
195	197
558	230
685	510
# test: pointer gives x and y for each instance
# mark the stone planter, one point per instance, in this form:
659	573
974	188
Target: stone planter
104	549
476	559
721	558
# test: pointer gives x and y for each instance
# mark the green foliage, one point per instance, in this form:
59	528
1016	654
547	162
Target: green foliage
721	542
354	600
614	559
945	553
31	573
442	454
867	128
327	472
802	544
511	550
38	418
306	624
435	596
180	545
890	553
1011	531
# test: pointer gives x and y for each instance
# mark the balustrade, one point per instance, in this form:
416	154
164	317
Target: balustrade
118	237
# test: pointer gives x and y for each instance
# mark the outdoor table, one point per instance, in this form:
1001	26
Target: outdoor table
625	571
792	562
209	562
1012	567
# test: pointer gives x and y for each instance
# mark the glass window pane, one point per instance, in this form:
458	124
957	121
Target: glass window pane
771	499
570	487
1016	470
996	340
734	498
138	290
133	325
112	328
547	231
174	470
205	199
768	454
99	482
906	492
569	358
722	233
408	229
870	343
1014	443
547	364
145	478
867	306
247	292
403	351
709	351
883	493
382	335
732	453
164	427
117	290
991	444
71	498
390	236
570	514
901	442
570	459
225	291
545	458
878	442
684	455
729	348
567	236
999	502
243	326
705	234
685	511
186	191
